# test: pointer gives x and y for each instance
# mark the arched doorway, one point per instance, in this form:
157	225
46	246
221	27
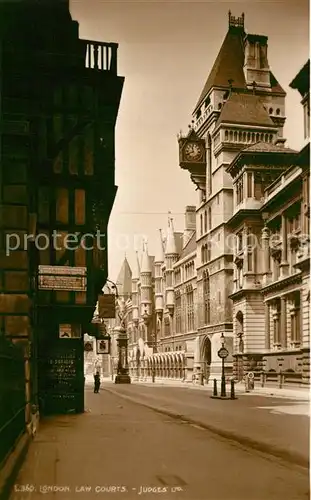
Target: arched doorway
206	358
240	346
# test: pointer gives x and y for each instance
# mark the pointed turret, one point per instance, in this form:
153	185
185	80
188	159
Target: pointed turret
136	268
135	280
124	280
145	283
171	256
145	261
159	254
170	247
158	280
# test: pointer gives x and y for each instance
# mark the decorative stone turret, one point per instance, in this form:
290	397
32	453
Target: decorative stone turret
146	285
135	280
158	263
171	256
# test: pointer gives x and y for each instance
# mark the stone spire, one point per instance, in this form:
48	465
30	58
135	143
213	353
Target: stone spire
145	262
135	279
171	256
146	285
170	248
136	268
159	254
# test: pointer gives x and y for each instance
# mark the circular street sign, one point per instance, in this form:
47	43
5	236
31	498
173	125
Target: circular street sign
223	352
250	375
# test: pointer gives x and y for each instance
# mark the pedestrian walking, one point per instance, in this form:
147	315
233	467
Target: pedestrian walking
96	382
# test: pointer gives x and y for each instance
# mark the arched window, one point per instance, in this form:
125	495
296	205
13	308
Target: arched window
278	111
201	223
206	298
270	111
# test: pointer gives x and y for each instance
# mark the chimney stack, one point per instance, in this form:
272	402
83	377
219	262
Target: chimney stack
190	217
190	223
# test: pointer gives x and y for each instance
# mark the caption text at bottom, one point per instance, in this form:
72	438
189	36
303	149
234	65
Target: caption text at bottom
140	490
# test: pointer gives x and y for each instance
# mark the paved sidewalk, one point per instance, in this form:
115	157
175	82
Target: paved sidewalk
122	450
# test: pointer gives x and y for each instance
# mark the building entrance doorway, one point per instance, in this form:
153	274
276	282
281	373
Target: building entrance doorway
206	358
60	371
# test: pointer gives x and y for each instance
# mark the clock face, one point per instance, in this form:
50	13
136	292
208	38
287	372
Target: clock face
193	152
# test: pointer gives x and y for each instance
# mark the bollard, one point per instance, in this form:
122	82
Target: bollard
232	395
215	387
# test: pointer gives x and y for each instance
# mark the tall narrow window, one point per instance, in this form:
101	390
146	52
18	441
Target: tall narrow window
209	218
178	312
62	205
206	298
80	206
295	318
205	222
250	266
190	310
249	184
276	322
209	251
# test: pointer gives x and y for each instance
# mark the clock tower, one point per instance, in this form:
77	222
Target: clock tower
241	103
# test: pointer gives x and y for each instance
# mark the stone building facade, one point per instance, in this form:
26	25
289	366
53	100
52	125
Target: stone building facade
242	269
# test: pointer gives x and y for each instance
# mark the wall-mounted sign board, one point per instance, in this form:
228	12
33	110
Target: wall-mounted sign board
103	346
62	278
107	306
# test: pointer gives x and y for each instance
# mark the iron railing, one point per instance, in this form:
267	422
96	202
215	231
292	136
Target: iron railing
12	396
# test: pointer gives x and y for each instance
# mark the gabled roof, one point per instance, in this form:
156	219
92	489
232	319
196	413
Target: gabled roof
190	247
124	279
246	109
229	65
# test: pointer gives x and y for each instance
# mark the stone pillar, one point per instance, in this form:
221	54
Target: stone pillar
266	255
267	326
284	263
283	332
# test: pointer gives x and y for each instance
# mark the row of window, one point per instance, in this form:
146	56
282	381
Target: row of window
250	137
188	272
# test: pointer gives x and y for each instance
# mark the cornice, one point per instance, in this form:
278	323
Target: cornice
281	284
244	291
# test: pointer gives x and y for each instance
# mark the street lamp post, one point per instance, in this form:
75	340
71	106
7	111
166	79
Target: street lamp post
122	376
223	353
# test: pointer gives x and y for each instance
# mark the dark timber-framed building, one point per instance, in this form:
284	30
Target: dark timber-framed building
59	102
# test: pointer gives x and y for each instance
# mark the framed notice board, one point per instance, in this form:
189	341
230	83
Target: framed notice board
61	377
